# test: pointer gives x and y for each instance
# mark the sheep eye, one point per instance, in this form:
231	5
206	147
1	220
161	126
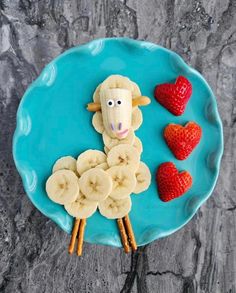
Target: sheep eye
110	103
118	102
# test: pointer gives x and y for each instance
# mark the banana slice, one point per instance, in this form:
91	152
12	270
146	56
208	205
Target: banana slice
103	166
90	159
138	144
96	94
62	186
117	81
98	122
124	155
68	163
81	208
95	184
123	82
115	208
136	90
124	181
106	150
137	118
111	142
143	177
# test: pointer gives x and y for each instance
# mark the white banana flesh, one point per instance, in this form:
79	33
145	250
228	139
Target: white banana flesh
81	208
124	182
95	184
62	186
124	155
103	166
116	107
143	178
138	144
111	142
137	118
97	122
90	159
65	163
115	208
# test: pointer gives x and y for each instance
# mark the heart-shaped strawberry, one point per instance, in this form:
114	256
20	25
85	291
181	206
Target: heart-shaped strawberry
174	97
182	139
170	182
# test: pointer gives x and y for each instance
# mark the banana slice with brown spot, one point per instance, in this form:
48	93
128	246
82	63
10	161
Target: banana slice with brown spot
62	186
124	181
90	159
115	208
95	184
103	166
81	208
124	155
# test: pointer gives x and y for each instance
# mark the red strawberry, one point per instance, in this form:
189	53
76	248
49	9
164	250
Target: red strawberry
182	139
174	97
170	182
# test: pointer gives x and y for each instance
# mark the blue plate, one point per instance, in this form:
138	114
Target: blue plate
52	122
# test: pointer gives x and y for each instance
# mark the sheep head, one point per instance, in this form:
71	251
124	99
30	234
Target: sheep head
116	108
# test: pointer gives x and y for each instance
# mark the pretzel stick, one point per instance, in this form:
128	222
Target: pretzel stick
123	235
130	232
81	236
94	107
73	236
141	101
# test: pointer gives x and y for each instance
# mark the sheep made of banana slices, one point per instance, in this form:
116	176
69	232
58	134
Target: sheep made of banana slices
105	180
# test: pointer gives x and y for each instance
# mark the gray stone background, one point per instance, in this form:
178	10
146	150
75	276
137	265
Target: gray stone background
201	257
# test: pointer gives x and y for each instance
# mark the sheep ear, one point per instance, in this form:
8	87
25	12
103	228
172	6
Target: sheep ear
94	107
141	101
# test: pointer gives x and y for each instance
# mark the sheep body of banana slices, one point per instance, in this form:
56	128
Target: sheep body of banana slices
102	180
96	180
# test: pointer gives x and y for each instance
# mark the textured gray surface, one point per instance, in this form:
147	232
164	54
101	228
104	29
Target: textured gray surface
199	258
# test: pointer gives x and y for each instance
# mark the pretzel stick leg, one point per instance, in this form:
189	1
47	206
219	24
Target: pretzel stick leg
123	235
73	236
130	232
81	237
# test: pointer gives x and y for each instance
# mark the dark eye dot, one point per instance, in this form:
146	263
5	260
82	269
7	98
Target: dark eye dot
110	103
118	102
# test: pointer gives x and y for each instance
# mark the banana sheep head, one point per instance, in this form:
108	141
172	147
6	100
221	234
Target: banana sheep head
116	107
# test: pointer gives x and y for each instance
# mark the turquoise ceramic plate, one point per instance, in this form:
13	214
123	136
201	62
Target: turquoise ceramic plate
52	122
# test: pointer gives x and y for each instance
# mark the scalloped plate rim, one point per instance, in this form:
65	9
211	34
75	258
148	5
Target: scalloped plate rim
137	43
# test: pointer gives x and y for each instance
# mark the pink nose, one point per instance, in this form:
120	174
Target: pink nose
122	134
